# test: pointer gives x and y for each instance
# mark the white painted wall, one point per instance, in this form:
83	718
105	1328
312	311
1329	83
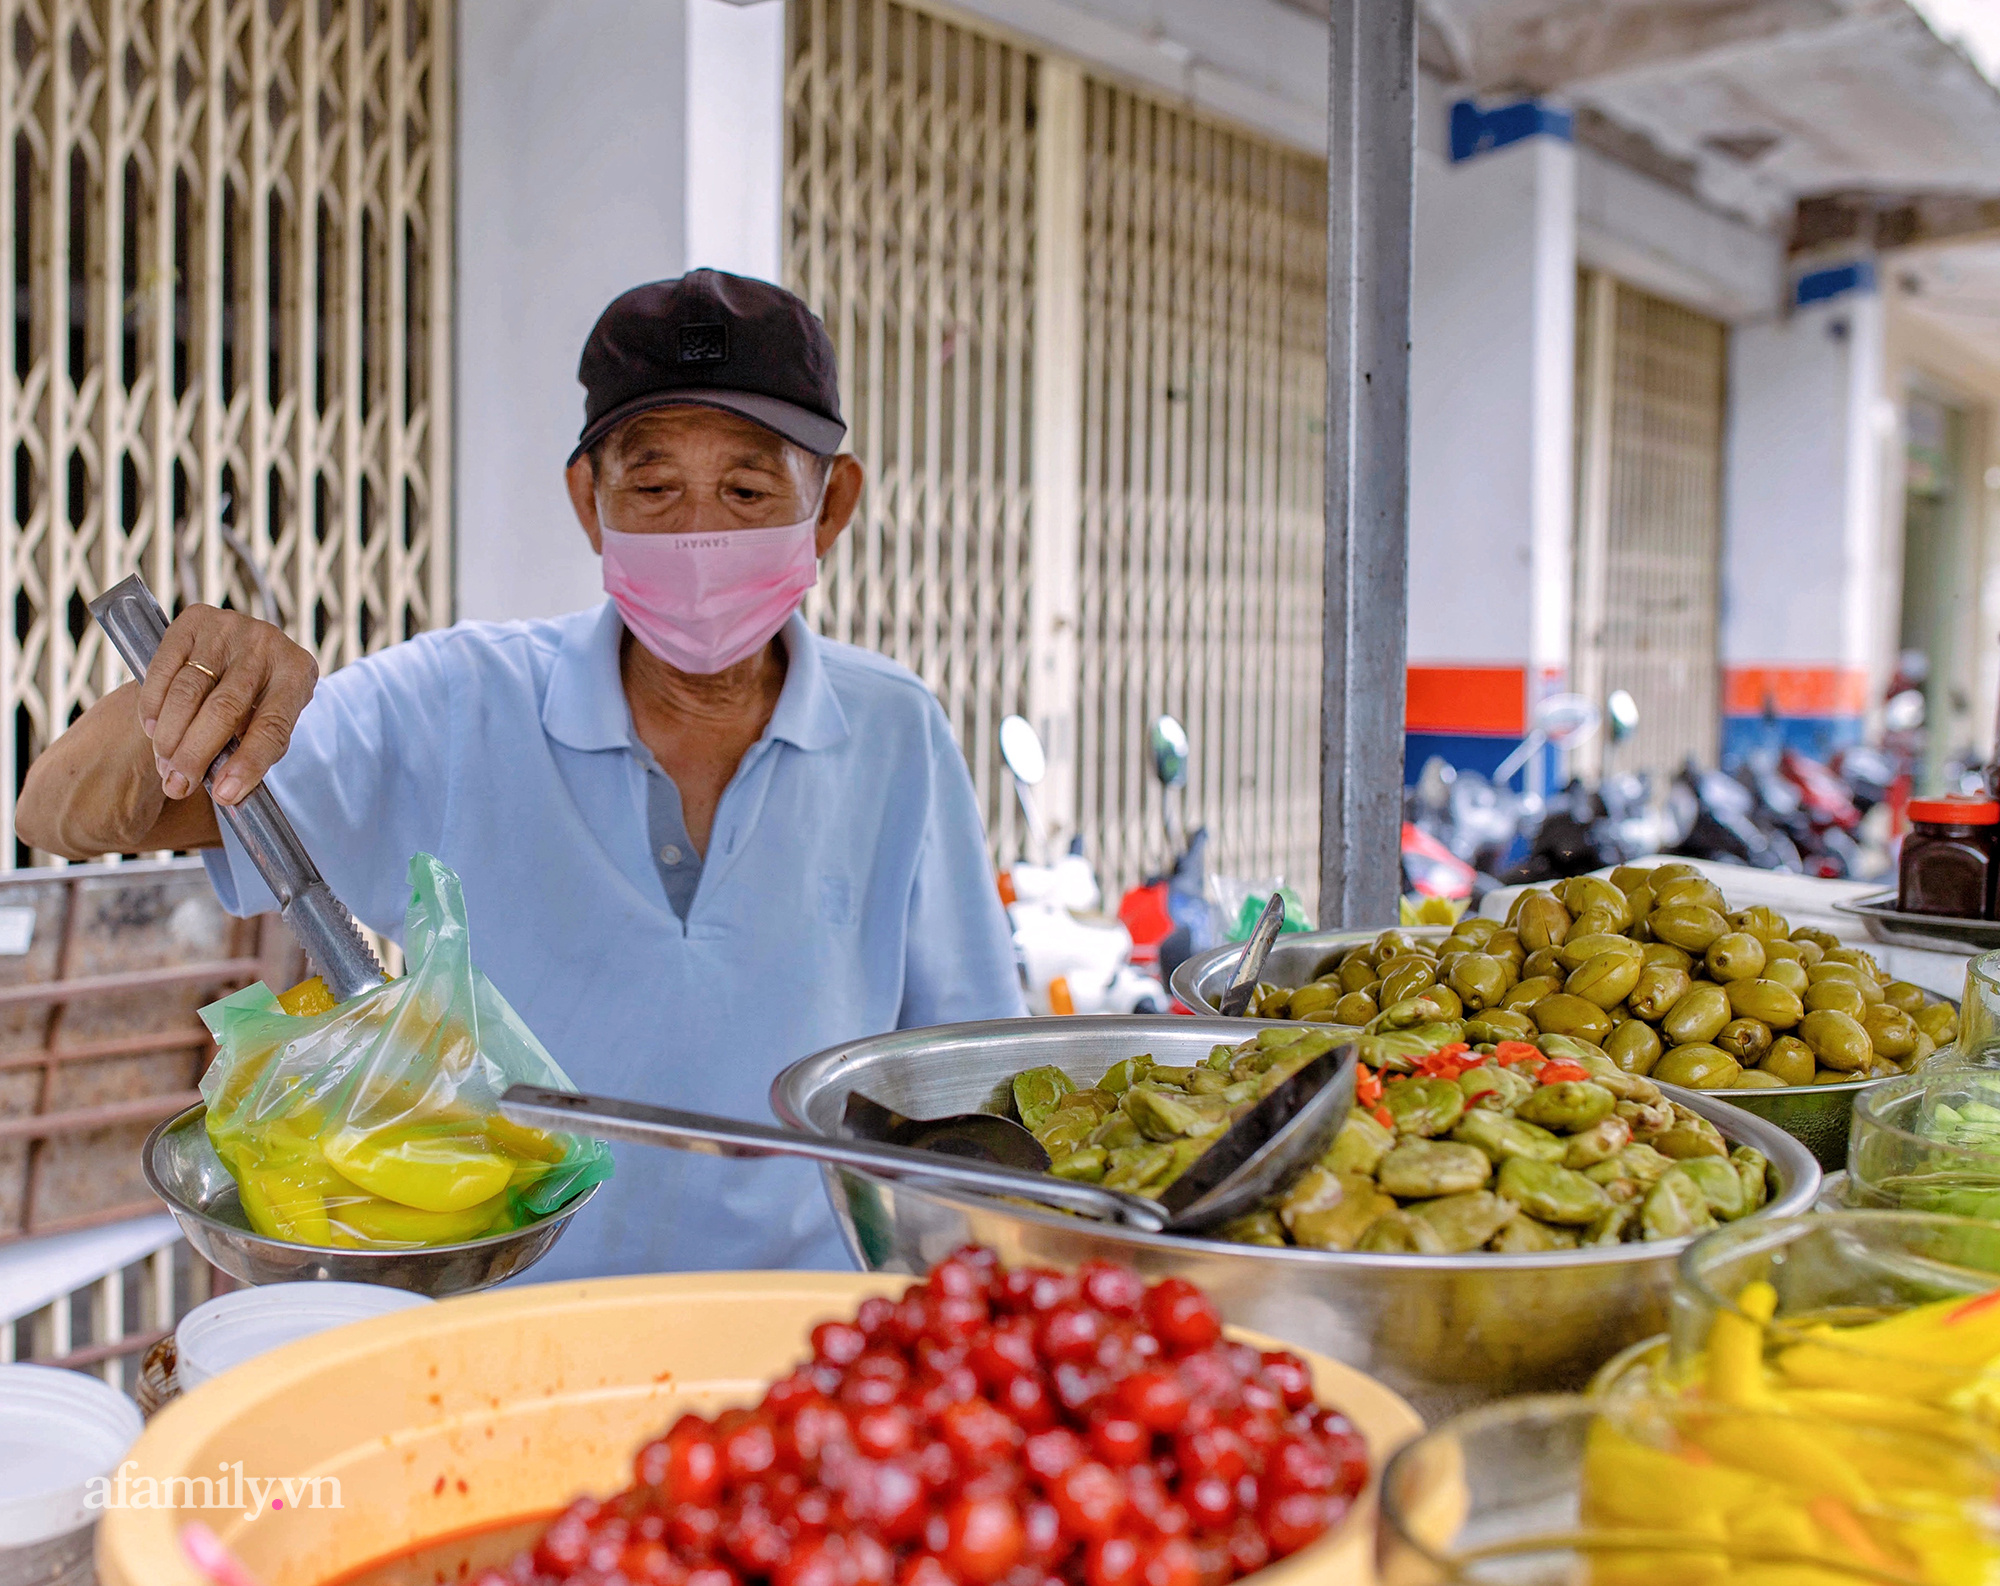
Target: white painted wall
1649	235
1802	509
1492	377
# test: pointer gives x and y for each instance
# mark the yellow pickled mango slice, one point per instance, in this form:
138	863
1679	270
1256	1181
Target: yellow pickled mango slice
531	1145
280	1207
378	1221
420	1166
307	997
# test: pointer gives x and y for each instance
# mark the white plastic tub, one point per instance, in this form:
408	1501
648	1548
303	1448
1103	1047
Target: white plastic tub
243	1324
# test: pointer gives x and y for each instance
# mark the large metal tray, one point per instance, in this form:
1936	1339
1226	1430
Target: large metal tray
1889	925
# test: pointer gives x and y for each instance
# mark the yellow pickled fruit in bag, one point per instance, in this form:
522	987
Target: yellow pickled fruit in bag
308	997
280	1206
422	1166
378	1221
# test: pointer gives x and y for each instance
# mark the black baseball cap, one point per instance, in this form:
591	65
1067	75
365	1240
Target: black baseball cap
714	340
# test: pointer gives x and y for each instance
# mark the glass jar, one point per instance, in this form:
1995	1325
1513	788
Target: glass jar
1947	859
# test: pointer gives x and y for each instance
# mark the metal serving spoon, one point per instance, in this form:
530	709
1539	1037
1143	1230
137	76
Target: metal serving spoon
1250	1161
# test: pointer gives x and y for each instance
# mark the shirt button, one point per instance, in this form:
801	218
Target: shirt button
670	855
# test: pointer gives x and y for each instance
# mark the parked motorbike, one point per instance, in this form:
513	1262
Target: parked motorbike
1171	915
1715	814
1073	957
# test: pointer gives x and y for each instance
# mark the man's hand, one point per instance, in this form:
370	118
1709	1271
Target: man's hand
221	675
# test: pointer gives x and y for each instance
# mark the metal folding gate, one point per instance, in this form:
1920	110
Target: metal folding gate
1082	336
227	232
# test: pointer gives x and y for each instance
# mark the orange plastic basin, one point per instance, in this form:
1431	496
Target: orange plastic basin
465	1414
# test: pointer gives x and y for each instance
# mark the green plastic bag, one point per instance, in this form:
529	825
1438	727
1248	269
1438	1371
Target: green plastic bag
377	1126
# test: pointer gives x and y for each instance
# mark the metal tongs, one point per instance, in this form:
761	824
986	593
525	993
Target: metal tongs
132	619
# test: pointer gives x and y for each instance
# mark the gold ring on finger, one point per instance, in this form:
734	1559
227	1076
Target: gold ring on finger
213	677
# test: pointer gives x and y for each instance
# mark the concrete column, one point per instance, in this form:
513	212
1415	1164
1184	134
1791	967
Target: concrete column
602	143
1803	516
1492	380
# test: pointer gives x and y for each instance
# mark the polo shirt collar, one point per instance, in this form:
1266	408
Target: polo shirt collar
584	706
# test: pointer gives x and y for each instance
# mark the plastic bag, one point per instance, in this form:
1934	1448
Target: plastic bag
377	1126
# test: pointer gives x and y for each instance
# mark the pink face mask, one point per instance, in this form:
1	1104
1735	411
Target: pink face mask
703	602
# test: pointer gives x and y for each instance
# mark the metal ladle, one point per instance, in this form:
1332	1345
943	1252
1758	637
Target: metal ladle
1250	1161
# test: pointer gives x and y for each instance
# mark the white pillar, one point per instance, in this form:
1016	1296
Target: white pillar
1492	378
602	143
1803	516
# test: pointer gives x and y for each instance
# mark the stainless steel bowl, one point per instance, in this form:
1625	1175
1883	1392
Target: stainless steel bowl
1817	1115
182	1168
1443	1331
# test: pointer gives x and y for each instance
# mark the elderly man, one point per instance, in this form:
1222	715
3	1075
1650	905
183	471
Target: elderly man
697	840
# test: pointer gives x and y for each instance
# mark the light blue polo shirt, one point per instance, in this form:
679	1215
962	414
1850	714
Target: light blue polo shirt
846	891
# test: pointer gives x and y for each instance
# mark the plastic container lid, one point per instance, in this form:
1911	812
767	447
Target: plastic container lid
1956	810
58	1430
235	1327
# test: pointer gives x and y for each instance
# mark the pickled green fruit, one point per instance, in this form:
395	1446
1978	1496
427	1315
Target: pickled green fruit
1390	943
1541	922
1859	959
1576	1049
1501	1137
1833	1076
1062	1137
1836	996
1762	922
1544	965
1757	1079
1506	946
1672	870
1037	1094
1465	1222
1401	1233
1666	955
1424	1107
1500	1024
1563	1014
1553	1193
1479	981
1690	1136
1921	1053
1657	989
1580	949
1308	1000
1583	895
1626	1087
1524	994
1491	1087
1357	973
1596	922
1640	1163
1765	1001
1164	1116
1605	980
1357	1007
1405	982
1789	973
1634	1046
1085	1165
1134	1167
1568	1107
1693	927
1791	1060
1601	1142
1419	1169
1837	1039
1784	947
1425	1008
1892	1032
1695	891
1938	1021
1746	1040
1699	1066
1754	1169
1627	877
1869	987
1258	1228
1360	1145
1903	996
1122	1074
1525	1235
1736	955
1614	1227
1114	1133
1340	1224
1720	1186
1674	1208
1826	940
1698	1017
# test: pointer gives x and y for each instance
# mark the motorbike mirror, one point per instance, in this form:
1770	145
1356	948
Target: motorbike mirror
1021	748
1905	711
1170	752
1623	710
1568	720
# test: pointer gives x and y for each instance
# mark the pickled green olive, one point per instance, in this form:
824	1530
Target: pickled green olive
1746	1040
1766	924
1757	1079
1405	982
1674	1208
1694	927
1602	1141
1544	965
1699	1066
1524	994
1419	1169
1606	979
1542	922
1501	1137
1665	954
1466	1221
1551	1192
1791	1060
1357	1007
1581	948
1563	1014
1720	1186
1789	973
1037	1094
1583	894
1480	981
1569	1107
1424	1107
1765	1001
1697	1017
1360	1145
1736	955
1357	973
1892	1032
1657	989
1308	1000
1695	891
1634	1046
1903	996
1937	1021
1835	996
1500	1024
1401	1233
1838	1040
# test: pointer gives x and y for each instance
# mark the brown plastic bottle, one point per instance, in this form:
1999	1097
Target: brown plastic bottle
1947	864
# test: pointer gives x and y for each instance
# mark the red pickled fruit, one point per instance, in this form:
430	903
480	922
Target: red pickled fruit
1053	1454
1170	1562
925	1569
1154	1397
750	1450
1091	1500
884	1430
838	1343
712	1575
1005	1352
977	1432
1114	1290
1114	1561
1210	1501
1070	1333
1181	1316
983	1539
1029	1403
1288	1374
1298	1464
1120	1440
1292	1520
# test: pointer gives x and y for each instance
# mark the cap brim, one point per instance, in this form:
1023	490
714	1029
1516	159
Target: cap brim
814	431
